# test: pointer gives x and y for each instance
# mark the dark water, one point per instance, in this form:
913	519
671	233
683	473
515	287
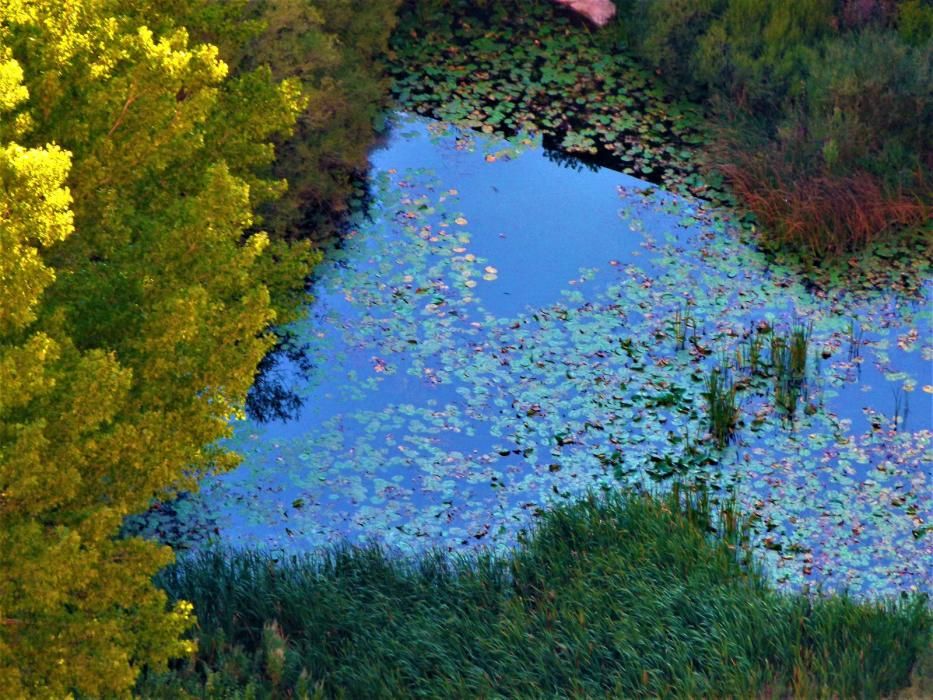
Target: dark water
501	336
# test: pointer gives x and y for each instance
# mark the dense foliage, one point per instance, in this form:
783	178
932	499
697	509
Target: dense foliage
138	288
626	596
334	50
826	106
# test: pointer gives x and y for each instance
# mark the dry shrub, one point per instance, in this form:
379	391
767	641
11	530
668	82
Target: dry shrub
824	214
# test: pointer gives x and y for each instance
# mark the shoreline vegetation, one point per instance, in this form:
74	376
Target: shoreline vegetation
619	595
150	242
814	116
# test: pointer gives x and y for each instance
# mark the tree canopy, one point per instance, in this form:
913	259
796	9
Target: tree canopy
135	307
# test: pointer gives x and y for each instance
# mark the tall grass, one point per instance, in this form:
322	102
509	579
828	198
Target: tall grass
684	327
722	412
749	356
789	367
782	357
818	213
615	596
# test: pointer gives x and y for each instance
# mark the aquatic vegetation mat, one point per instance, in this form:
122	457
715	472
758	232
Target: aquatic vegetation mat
506	334
534	68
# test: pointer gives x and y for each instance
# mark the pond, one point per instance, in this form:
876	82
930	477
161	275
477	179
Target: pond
506	332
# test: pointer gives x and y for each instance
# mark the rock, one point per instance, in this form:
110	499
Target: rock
599	12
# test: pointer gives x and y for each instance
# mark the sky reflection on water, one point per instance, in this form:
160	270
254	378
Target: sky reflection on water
500	336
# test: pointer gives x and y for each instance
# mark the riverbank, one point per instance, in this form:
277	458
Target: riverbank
691	100
622	596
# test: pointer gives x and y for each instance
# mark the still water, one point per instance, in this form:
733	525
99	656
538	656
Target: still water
504	332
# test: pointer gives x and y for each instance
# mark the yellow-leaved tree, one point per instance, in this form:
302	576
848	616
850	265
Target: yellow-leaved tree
133	311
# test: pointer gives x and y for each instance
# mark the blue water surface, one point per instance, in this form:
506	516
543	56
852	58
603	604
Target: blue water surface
502	334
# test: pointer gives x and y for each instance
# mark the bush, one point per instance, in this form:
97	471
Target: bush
834	105
915	21
851	162
673	29
869	106
750	51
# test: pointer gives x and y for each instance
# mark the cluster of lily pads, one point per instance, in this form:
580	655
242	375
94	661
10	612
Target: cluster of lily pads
537	70
508	68
437	416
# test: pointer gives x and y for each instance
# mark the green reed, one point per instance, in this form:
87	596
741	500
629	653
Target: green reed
683	328
619	595
788	367
722	411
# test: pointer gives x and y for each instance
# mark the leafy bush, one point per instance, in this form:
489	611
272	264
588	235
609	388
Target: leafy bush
334	49
830	104
915	21
854	14
751	51
851	161
869	106
672	30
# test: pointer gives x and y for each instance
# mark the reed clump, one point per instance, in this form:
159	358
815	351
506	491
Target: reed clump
789	367
784	358
722	411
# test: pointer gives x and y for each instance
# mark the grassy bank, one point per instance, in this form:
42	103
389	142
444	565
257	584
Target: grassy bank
622	596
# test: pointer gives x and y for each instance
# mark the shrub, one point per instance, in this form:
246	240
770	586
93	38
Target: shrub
750	51
915	21
869	104
671	32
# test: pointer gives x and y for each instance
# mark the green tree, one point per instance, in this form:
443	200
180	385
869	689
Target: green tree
335	49
134	311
